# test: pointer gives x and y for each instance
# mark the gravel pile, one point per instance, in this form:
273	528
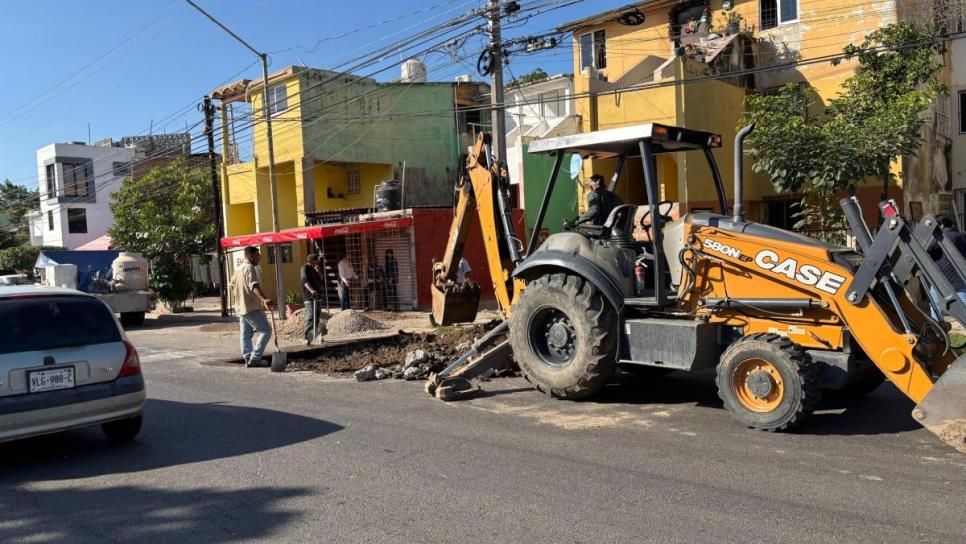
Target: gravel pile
352	323
294	326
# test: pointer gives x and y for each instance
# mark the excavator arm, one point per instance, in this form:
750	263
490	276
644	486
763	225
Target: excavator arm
482	193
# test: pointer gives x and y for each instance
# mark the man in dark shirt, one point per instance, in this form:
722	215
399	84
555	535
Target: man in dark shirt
312	287
600	202
391	270
951	234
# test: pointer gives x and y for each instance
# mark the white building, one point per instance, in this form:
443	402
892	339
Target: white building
76	183
544	109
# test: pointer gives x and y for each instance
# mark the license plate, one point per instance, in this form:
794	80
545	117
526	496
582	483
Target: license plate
50	380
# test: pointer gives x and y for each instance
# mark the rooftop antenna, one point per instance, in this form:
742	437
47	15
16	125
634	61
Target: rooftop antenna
88	133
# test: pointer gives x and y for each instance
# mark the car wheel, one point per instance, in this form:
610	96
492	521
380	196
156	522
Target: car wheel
123	430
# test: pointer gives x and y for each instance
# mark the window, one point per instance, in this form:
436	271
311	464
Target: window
593	50
51	179
75	178
50	322
286	253
962	112
50	220
353	181
278	99
122	169
551	104
777	12
77	220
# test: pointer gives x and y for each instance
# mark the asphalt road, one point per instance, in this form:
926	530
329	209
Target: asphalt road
235	455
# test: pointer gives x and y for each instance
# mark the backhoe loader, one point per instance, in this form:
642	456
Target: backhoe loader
781	317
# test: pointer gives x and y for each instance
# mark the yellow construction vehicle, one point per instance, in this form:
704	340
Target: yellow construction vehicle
780	316
481	186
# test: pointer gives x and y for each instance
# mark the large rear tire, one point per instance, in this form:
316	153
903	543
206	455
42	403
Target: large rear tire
564	336
865	381
768	382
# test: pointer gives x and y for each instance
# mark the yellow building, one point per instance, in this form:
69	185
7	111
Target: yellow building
675	56
336	137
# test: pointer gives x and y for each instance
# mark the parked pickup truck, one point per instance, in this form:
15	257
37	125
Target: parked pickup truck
119	279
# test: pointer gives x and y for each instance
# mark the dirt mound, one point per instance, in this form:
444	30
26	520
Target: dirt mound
352	323
442	347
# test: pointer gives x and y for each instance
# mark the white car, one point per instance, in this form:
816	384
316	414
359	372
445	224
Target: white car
65	363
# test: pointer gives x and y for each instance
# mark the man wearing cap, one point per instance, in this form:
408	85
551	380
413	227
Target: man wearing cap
600	202
311	282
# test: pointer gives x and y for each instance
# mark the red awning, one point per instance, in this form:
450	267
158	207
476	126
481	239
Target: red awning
317	231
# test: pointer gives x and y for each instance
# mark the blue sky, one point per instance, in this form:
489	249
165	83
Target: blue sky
121	65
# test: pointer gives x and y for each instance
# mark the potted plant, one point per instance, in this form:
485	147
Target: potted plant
292	302
732	22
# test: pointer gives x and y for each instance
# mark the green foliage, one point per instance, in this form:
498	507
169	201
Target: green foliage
536	75
15	202
167	216
171	279
22	258
169	211
292	297
803	145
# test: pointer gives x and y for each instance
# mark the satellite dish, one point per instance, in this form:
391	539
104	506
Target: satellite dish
576	165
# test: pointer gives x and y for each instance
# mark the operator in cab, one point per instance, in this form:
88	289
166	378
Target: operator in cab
600	202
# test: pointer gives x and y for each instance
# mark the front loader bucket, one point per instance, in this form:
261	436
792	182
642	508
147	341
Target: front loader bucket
943	411
455	302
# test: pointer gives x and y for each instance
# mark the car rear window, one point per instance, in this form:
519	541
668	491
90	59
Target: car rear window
48	322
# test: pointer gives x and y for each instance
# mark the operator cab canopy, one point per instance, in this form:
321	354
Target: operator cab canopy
616	142
624	142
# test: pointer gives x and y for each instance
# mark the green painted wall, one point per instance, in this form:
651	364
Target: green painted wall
389	124
536	172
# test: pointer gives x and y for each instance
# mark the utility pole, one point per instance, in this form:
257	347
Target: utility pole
498	122
209	110
267	114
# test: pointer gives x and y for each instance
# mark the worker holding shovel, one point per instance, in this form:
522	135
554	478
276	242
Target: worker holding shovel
250	306
311	293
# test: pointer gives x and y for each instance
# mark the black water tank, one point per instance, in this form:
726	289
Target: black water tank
388	196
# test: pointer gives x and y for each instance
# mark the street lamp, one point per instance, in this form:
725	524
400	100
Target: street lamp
267	113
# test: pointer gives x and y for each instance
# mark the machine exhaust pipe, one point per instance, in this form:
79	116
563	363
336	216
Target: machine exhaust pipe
739	206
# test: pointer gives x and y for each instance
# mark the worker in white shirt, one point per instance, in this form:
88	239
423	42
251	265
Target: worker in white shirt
463	273
346	274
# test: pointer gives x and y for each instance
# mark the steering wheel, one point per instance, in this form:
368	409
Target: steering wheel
647	226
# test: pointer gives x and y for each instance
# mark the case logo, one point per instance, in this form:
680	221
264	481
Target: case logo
805	274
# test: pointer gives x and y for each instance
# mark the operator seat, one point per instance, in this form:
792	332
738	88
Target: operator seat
619	226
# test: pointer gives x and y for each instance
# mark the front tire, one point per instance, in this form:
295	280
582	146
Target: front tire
564	337
768	382
123	430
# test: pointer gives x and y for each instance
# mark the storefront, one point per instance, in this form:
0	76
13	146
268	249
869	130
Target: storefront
414	237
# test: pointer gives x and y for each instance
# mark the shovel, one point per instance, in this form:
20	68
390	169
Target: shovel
279	358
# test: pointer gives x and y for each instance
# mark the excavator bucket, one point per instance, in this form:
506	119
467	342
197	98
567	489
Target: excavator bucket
943	410
455	302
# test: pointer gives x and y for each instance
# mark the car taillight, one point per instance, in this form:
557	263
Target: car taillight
132	363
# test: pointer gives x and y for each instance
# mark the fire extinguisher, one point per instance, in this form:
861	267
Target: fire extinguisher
639	270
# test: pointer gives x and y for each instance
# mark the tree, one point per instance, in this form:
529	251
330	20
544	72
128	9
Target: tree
15	202
167	216
22	258
803	145
536	75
